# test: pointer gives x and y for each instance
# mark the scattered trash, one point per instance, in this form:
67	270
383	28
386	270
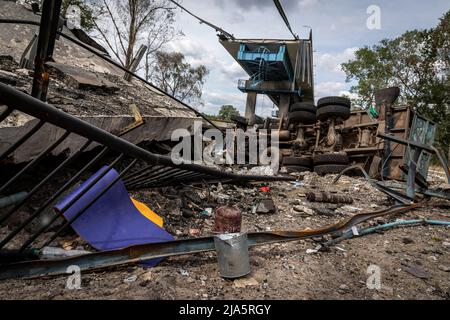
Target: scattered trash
51	252
208	212
195	232
130	279
184	273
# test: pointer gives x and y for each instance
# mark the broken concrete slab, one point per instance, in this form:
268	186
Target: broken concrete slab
153	129
78	78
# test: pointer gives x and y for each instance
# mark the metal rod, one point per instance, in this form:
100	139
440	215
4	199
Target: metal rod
36	188
12	199
71	202
169	173
87	206
145	175
61	190
192	179
158	176
24	138
5	114
140	171
33	163
51	10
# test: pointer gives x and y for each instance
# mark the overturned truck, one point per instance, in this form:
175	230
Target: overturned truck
329	137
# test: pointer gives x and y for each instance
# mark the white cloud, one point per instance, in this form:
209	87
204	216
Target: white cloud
214	100
329	62
308	3
330	88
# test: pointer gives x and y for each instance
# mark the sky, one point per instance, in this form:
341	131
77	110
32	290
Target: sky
339	29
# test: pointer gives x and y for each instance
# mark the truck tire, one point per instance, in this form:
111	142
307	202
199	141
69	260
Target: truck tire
303	106
329	169
292	169
331	158
333	111
339	101
297	161
304	117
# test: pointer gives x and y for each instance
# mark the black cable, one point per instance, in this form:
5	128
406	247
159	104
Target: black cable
218	29
285	19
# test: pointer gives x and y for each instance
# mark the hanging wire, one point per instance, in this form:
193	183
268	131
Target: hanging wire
285	19
218	29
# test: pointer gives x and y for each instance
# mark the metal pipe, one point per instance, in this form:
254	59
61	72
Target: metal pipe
34	162
12	199
146	175
24	138
164	176
142	172
51	10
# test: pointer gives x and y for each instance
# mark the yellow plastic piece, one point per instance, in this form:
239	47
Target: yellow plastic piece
148	213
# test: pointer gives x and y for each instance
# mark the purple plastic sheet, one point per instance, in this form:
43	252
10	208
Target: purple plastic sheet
112	222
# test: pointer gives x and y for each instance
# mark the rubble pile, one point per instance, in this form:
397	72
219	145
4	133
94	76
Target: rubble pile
300	270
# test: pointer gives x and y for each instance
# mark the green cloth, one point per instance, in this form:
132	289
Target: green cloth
373	112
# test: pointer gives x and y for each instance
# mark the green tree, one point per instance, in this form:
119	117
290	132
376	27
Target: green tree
126	24
418	63
227	111
88	12
177	77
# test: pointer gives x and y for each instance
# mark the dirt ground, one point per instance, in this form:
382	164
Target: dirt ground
414	261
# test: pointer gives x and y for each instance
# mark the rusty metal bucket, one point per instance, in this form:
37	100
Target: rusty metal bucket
232	255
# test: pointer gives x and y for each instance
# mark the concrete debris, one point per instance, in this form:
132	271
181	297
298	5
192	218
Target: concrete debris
77	78
266	206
